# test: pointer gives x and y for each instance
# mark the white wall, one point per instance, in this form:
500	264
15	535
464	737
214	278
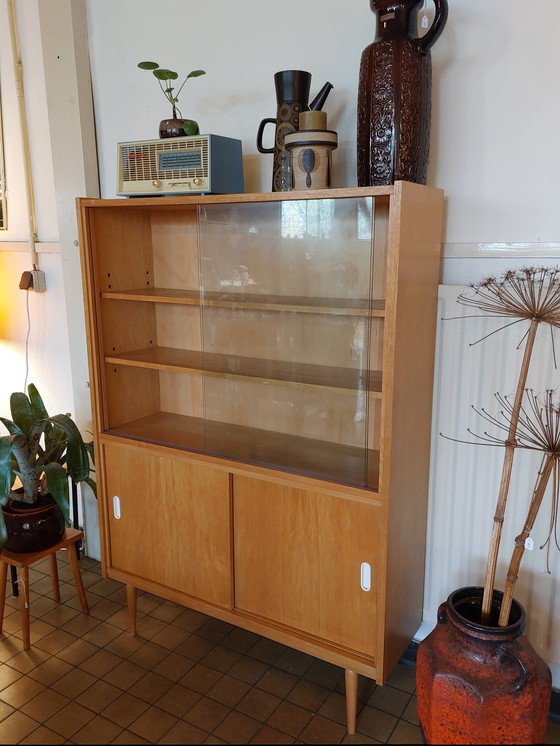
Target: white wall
494	151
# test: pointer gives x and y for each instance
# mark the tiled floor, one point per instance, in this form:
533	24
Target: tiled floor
185	678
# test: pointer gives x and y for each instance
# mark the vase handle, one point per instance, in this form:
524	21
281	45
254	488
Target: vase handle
440	19
260	131
507	648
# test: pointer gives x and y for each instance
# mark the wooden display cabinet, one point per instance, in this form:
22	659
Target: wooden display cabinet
261	375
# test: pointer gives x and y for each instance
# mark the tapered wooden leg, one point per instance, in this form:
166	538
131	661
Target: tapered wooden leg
3	579
78	578
54	576
131	601
351	685
24	605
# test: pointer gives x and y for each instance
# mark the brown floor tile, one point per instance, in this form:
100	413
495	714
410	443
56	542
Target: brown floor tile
150	687
258	704
99	696
21	691
321	730
74	683
44	705
237	728
391	700
289	718
77	651
98	730
174	666
375	723
277	682
16	727
69	719
406	733
42	735
100	663
178	700
266	734
184	733
307	694
228	691
206	714
128	738
200	678
153	724
125	675
125	709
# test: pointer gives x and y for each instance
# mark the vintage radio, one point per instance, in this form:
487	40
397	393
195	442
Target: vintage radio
195	164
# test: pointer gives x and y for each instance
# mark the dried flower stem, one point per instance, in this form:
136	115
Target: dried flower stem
506	477
536	500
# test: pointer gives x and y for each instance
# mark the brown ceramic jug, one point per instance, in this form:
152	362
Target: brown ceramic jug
394	94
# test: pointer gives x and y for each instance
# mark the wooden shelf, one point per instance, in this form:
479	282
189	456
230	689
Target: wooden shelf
252	301
315	458
256	369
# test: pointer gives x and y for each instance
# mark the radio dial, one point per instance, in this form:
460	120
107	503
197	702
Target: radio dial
156	183
196	181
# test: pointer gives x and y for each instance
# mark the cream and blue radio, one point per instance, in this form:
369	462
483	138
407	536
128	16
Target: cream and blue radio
195	164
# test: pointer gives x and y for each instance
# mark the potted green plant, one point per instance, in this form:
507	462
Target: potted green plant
478	678
37	458
177	125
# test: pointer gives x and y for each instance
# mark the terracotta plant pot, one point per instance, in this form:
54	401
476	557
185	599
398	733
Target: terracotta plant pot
33	527
176	127
477	683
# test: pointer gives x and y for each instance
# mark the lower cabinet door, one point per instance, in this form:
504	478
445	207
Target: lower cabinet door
169	521
307	560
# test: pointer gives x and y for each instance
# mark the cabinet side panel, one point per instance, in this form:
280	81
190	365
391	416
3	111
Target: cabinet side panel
414	256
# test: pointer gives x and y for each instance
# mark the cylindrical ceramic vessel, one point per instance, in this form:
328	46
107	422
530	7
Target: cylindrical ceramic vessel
477	683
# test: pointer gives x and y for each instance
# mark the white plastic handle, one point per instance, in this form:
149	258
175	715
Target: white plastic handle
116	507
365	576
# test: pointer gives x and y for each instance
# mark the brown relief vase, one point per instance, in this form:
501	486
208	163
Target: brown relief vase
477	683
394	95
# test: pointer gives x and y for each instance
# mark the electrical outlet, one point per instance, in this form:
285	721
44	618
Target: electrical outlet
39	281
34	280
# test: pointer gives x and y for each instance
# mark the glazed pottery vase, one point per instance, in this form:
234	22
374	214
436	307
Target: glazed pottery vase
477	683
394	95
33	527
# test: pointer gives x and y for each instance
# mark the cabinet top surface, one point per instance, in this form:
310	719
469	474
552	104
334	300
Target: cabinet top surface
198	199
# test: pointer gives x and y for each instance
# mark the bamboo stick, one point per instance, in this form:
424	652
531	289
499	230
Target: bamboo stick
536	500
506	477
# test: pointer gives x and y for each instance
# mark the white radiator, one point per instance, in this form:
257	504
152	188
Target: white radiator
465	478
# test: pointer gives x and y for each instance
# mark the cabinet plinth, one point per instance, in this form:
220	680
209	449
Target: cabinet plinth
267	360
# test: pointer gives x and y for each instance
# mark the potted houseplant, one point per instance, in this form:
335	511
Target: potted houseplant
177	125
37	458
478	678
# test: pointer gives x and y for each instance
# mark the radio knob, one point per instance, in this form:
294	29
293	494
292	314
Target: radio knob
156	183
196	181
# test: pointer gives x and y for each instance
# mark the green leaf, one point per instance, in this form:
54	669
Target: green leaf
92	485
196	73
163	74
148	65
11	427
22	411
57	485
190	127
36	402
6	474
77	460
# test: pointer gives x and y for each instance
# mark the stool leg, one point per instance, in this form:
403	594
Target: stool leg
54	576
78	579
24	605
131	601
3	580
